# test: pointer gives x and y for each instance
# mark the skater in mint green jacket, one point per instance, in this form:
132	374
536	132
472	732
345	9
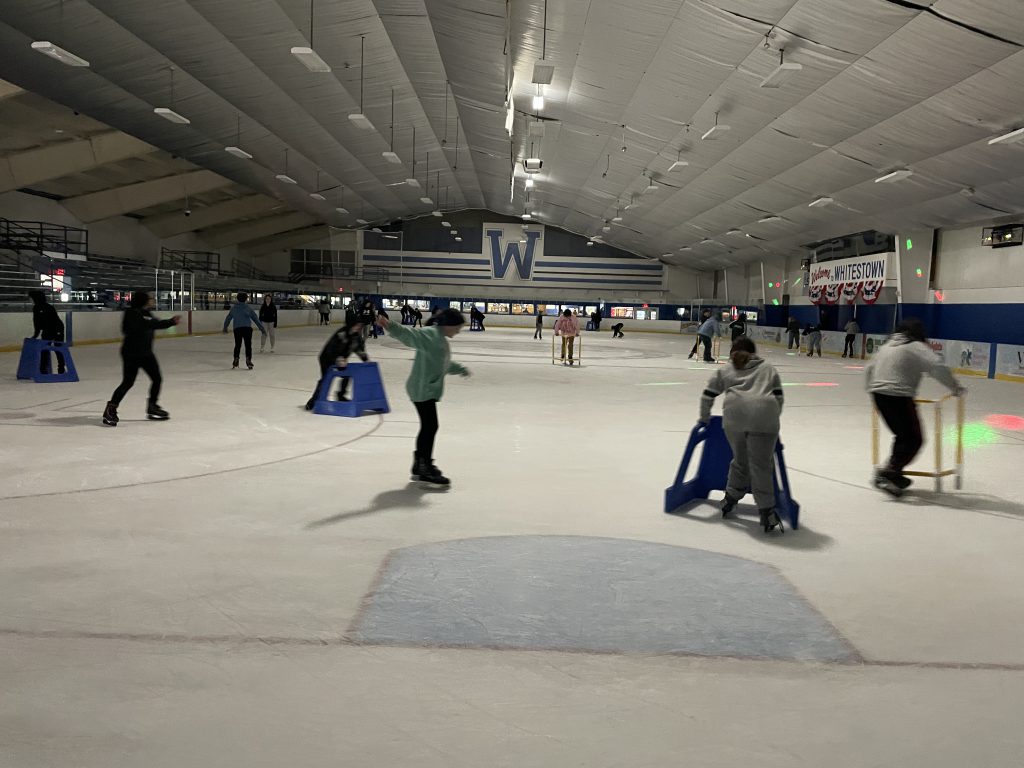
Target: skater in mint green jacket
426	382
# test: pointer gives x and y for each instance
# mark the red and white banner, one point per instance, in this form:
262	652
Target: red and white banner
815	294
871	290
832	292
851	291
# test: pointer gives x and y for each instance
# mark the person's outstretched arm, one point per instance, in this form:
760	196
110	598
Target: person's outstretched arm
707	399
407	336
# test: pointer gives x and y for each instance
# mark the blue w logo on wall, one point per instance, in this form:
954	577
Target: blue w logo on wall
501	261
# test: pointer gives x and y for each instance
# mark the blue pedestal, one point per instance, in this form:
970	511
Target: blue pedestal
475	325
590	325
367	392
713	473
32	351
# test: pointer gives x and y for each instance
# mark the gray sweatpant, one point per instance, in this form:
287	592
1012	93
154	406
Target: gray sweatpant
753	466
814	343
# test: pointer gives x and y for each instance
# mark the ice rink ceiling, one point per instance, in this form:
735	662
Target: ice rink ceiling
882	86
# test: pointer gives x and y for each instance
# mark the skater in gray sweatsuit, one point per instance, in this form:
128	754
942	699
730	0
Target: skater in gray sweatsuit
750	417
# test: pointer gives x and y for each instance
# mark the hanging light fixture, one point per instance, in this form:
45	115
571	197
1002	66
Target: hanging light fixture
391	156
236	150
57	53
715	131
310	59
782	74
413	182
284	177
167	113
316	195
358	118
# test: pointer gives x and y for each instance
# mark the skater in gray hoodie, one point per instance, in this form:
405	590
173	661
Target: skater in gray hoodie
750	417
893	377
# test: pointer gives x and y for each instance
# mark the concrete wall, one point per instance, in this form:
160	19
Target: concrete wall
968	272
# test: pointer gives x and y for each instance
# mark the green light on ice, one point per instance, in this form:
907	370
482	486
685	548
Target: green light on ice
975	435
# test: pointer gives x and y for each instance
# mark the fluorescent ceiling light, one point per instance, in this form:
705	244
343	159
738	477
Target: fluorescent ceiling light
652	187
821	202
362	221
782	75
458	239
446	224
677	165
390	237
439	214
392	157
616	219
310	59
606	229
1012	137
533	164
538	103
685	248
171	116
413	183
360	121
455	232
378	230
734	232
590	243
543	72
629	206
342	210
285	179
894	176
666	255
526	216
529	183
426	201
57	53
766	219
238	152
317	196
714	132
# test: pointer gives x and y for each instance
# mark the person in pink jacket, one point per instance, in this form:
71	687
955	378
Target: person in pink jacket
568	328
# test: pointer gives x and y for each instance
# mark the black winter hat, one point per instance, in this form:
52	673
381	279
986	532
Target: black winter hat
450	317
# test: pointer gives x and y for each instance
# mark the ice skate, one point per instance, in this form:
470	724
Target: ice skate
110	415
311	404
770	520
728	505
885	480
414	472
427	473
156	413
234	363
248	364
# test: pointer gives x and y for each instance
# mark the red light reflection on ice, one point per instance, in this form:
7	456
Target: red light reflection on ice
1005	421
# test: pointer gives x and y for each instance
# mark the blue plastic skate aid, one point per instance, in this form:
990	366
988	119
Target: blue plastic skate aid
590	325
475	325
32	352
367	392
713	473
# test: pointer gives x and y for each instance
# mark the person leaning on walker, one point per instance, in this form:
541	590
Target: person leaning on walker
893	378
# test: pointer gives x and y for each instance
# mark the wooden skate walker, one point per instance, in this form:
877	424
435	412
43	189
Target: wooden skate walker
556	351
957	471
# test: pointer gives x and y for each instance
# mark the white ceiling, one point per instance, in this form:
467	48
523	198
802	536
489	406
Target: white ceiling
885	84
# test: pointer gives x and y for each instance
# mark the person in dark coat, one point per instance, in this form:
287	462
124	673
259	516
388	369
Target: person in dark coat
268	316
49	327
617	331
539	333
417	317
476	318
138	327
342	344
793	331
738	326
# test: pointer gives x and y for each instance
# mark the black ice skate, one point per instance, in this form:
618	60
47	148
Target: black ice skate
156	413
414	472
311	404
234	363
248	364
110	415
888	480
426	472
770	519
728	505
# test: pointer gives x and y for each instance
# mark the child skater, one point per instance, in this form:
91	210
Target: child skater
750	417
242	316
539	332
268	316
426	382
138	326
344	342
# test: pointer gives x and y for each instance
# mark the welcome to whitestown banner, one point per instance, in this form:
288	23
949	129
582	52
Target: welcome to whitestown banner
843	271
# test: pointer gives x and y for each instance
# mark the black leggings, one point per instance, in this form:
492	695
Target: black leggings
848	345
131	371
243	334
537	334
44	359
706	341
900	415
427	409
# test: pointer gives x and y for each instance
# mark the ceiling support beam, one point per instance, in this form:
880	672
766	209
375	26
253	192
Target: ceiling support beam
232	234
171	224
34	166
284	241
97	206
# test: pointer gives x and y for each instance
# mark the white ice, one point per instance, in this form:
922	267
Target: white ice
178	594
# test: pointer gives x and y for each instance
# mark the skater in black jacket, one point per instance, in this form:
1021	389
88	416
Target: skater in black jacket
49	326
138	327
738	326
268	316
343	343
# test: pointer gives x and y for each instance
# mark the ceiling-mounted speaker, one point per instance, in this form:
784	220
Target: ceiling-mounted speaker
533	165
543	72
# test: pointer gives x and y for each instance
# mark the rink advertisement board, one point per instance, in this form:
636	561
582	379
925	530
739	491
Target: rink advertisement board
1010	362
847	271
516	258
970	358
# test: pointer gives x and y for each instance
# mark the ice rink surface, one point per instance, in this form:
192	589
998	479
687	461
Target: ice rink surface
189	593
